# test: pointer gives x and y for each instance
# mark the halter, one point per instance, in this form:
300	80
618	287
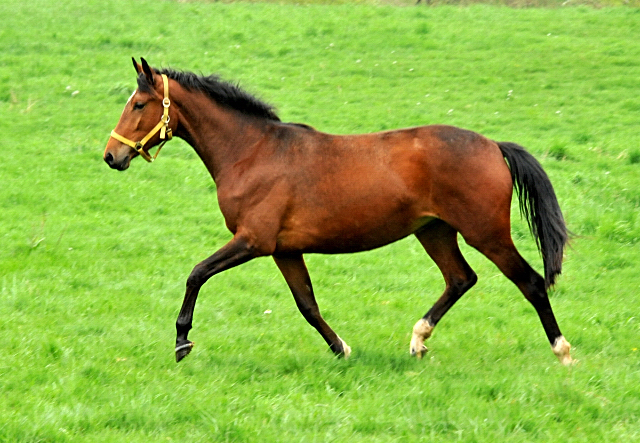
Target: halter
162	126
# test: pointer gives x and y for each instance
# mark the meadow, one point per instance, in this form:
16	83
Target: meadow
93	262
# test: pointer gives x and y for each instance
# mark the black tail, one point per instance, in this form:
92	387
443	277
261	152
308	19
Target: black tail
539	205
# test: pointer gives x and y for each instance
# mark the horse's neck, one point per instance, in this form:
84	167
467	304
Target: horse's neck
220	136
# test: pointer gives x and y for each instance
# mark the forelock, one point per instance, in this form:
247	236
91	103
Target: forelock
143	84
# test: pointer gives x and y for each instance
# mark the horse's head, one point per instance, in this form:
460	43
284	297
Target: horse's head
144	122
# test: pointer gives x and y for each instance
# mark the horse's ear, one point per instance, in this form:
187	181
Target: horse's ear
136	65
148	72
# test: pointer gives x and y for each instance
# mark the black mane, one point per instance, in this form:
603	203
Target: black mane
222	92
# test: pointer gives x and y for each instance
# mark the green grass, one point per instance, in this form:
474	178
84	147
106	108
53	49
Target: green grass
93	262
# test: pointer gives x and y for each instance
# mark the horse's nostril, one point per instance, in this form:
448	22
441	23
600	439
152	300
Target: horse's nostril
108	158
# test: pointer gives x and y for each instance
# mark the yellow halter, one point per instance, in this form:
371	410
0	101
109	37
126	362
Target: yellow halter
162	126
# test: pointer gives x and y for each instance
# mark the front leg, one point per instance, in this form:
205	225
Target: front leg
234	253
296	275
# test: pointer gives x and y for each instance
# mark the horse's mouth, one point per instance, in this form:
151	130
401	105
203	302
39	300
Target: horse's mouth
121	165
121	168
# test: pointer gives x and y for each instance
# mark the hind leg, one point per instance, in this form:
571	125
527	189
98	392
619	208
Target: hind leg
440	241
505	255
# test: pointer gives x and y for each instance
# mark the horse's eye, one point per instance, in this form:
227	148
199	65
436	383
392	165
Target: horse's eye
139	105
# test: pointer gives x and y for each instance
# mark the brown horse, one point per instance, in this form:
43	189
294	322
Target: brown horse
286	190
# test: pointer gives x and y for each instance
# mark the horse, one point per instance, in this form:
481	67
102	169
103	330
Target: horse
286	189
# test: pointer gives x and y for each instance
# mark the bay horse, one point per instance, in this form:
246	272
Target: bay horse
286	189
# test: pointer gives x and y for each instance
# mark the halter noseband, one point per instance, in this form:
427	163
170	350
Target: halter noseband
162	126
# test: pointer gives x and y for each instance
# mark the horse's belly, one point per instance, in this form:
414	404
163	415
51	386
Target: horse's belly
351	231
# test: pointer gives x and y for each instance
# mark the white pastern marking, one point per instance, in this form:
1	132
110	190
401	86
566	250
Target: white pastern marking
421	331
346	349
562	348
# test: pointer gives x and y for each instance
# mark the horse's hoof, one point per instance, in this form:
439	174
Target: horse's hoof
418	351
341	351
346	350
183	350
562	349
421	331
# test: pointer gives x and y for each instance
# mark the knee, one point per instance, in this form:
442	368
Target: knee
197	277
310	313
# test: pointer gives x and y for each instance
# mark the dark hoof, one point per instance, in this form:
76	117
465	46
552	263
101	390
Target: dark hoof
183	350
341	350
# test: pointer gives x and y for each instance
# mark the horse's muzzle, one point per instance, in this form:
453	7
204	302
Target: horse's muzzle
119	165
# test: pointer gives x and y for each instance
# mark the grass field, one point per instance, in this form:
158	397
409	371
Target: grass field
93	262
